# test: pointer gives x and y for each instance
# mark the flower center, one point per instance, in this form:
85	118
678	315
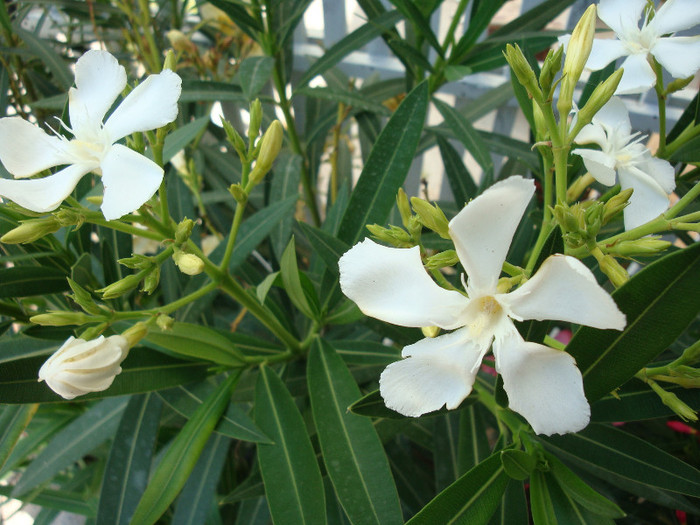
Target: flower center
487	311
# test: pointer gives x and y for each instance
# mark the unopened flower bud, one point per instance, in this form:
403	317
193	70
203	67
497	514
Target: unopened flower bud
61	318
188	263
94	199
616	204
270	146
238	193
615	272
431	217
602	93
150	283
441	260
80	366
541	131
523	71
566	217
593	217
430	331
673	402
69	217
31	230
183	231
404	207
550	68
165	322
393	235
645	246
234	138
134	334
256	114
122	286
577	53
179	42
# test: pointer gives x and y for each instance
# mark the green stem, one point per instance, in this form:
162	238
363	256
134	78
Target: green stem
235	225
661	97
683	202
687	134
98	219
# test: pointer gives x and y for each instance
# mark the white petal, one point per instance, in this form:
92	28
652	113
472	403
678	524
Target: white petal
676	15
620	15
648	201
483	230
638	76
679	55
152	104
543	385
614	117
599	164
391	284
42	195
99	79
129	180
604	51
592	133
564	289
26	150
661	171
435	372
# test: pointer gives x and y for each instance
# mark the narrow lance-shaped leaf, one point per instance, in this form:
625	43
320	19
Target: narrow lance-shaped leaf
352	452
293	482
13	421
179	460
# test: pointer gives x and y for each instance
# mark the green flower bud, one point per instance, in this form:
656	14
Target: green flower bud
403	206
61	318
567	218
165	322
577	53
615	272
134	334
178	41
550	68
136	262
83	298
238	193
270	146
234	138
122	286
541	131
94	199
616	204
441	260
430	331
523	71
393	235
645	246
255	120
150	283
183	231
31	230
69	217
602	93
188	263
414	227
673	402
593	217
431	217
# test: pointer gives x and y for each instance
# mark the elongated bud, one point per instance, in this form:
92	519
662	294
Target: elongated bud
150	283
593	217
550	68
616	204
270	146
404	207
136	261
441	260
602	93
541	131
673	402
431	217
523	71
134	334
188	263
430	331
122	286
645	246
31	230
256	114
393	235
61	318
615	272
183	231
83	298
94	199
234	138
577	53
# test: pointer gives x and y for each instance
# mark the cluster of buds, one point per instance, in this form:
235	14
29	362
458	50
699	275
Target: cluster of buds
34	229
187	263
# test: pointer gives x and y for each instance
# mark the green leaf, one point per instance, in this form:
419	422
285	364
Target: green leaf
198	495
541	500
534	19
351	449
467	135
292	282
21	346
285	184
372	405
458	177
612	454
386	167
328	247
289	468
50	58
253	73
126	473
25	281
478	22
472	499
195	341
667	289
240	14
186	399
421	23
350	98
513	509
181	137
566	508
81	437
581	492
355	40
688	118
518	464
206	91
13	422
688	152
178	461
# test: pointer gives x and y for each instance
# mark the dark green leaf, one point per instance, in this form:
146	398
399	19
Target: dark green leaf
328	247
254	72
13	421
460	180
24	281
285	184
206	91
182	136
350	98
518	464
292	282
51	59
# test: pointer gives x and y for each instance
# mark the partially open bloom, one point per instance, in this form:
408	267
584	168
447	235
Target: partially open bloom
543	384
679	55
129	178
80	366
623	155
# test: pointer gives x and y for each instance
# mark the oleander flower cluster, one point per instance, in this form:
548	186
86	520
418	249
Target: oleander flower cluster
543	384
129	178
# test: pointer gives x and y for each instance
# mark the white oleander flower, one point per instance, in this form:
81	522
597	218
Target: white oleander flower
80	367
623	155
543	384
679	55
129	178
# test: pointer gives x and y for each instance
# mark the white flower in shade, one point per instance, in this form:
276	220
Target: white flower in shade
80	366
543	384
129	178
679	55
623	155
